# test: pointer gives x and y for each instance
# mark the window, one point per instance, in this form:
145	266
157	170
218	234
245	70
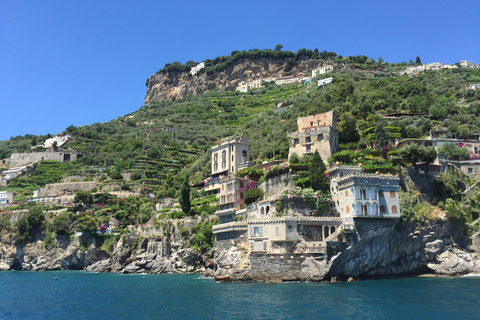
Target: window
277	231
296	141
347	210
309	148
470	170
241	184
241	195
223	187
245	155
392	194
215	157
224	154
308	139
394	209
320	137
346	193
256	232
382	208
232	157
380	193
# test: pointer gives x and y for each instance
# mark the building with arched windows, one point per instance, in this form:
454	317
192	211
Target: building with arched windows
359	195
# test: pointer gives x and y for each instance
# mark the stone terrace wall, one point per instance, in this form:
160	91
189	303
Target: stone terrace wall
56	189
18	159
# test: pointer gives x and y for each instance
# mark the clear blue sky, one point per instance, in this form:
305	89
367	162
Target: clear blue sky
82	62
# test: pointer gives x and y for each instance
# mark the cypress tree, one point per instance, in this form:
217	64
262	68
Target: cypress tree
185	197
318	180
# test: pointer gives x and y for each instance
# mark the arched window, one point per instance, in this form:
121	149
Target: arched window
346	193
215	157
380	193
332	230
326	231
262	210
241	184
394	209
268	209
382	208
224	154
241	195
347	209
392	194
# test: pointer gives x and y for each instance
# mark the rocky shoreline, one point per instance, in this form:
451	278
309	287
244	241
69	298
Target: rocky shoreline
435	249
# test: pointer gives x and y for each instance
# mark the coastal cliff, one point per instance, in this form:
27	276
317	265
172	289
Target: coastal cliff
177	85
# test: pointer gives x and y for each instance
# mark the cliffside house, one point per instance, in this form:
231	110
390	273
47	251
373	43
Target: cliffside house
317	132
321	70
357	195
6	198
324	81
197	68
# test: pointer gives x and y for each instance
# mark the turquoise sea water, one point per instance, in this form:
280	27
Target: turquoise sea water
80	295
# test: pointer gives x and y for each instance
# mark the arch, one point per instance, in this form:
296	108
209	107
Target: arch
346	193
364	210
332	230
382	208
224	154
326	232
262	210
380	193
267	210
394	209
392	194
347	209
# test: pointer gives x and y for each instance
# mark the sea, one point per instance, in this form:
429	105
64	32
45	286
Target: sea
82	295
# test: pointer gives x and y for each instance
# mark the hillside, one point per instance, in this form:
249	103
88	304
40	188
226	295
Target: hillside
152	151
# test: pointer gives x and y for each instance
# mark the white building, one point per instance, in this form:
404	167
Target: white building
6	198
321	70
358	195
228	155
324	81
197	68
60	140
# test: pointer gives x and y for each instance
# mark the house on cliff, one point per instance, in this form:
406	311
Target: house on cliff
316	132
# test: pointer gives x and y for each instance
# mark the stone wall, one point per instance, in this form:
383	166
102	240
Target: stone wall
68	188
274	186
18	159
279	266
78	177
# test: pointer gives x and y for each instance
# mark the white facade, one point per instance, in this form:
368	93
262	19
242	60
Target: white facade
61	140
324	81
6	198
321	70
197	68
228	155
360	195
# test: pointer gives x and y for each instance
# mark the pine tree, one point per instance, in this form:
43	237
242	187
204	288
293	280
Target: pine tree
318	180
185	197
418	62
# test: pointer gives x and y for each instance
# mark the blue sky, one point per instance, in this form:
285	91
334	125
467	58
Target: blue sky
82	62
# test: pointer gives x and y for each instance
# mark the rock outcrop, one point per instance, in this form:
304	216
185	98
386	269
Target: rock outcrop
167	86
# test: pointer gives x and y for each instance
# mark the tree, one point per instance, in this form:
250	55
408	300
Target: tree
318	179
382	137
455	152
410	63
61	223
347	128
411	153
429	155
86	224
253	195
83	197
279	47
294	158
145	212
34	141
418	62
55	145
380	60
185	197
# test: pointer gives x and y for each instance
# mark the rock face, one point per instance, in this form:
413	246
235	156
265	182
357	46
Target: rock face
435	248
177	85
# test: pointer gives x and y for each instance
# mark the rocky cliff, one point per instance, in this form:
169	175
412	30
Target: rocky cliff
170	85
